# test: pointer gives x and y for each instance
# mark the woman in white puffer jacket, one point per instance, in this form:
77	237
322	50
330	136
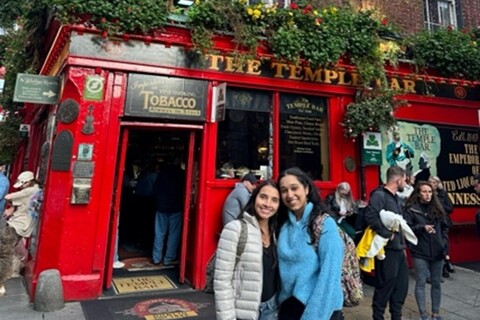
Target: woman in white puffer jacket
248	289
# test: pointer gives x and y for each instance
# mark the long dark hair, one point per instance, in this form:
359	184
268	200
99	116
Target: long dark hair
435	208
313	196
250	206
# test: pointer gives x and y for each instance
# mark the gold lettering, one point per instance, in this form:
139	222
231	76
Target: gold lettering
355	79
315	76
341	78
409	86
214	59
330	75
278	67
253	67
232	66
394	85
295	72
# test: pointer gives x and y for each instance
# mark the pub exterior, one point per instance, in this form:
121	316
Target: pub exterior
264	115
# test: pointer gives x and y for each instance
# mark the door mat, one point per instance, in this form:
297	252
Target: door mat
143	264
186	305
142	283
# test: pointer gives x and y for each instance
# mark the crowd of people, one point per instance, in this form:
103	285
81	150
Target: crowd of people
283	275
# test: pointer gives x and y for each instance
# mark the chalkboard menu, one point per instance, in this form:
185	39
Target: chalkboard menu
301	121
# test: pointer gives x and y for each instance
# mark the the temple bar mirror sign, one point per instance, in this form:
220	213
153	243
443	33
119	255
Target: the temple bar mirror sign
165	97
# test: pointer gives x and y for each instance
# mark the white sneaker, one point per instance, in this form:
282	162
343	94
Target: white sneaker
118	265
2	291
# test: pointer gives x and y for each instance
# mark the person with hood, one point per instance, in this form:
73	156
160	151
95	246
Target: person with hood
20	224
427	218
238	198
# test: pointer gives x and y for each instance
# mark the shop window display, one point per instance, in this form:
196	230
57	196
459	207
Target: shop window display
244	137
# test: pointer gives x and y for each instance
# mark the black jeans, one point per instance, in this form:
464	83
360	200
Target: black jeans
391	277
292	309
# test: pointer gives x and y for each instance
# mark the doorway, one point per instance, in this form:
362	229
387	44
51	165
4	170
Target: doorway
156	165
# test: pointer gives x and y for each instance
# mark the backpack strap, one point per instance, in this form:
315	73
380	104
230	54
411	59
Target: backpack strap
242	241
318	227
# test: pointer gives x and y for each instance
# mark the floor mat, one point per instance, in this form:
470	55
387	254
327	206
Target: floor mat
185	305
142	283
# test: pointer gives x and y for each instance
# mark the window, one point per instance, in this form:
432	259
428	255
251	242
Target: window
304	135
244	137
440	14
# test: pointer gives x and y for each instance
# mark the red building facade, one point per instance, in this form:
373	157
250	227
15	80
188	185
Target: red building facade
134	99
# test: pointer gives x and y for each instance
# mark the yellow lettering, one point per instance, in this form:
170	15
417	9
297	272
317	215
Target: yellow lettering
253	67
295	72
314	76
394	85
330	75
214	59
341	78
278	67
409	86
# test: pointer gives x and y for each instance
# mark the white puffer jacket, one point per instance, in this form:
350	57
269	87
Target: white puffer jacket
238	292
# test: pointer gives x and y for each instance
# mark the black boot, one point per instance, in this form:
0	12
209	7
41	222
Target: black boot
449	266
445	272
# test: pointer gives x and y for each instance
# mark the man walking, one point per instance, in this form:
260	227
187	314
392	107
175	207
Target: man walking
391	274
238	198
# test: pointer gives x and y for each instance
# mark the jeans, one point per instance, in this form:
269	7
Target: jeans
422	269
269	309
169	226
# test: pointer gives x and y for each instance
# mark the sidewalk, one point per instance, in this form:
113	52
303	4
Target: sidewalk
460	301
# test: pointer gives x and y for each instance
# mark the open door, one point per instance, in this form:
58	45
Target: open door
191	176
117	196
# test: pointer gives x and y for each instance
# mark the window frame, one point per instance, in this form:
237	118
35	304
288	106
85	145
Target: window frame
434	21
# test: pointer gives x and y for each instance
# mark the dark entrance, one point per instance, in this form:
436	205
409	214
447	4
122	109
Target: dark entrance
143	152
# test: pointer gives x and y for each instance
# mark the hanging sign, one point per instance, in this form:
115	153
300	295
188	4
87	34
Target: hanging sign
219	99
36	89
372	148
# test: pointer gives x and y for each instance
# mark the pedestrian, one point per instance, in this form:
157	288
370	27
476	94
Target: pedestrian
427	218
169	194
391	273
310	274
20	224
447	205
247	289
238	198
343	208
4	185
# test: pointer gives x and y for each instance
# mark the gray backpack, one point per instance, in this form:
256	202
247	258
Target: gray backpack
211	263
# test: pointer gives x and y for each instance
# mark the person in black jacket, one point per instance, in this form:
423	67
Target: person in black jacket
427	218
169	192
448	208
391	274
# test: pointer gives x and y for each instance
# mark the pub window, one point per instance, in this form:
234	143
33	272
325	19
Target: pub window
440	14
244	137
304	135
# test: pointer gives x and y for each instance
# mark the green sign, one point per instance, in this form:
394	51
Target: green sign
372	148
93	88
35	88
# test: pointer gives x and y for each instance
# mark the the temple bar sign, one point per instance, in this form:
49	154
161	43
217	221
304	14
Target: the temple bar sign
165	97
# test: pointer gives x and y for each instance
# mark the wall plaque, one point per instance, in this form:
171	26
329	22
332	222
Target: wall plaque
68	111
62	151
81	191
83	169
165	97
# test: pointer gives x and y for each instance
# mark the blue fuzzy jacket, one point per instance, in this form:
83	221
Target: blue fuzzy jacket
313	276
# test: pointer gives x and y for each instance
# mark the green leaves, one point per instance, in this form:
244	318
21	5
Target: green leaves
452	53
